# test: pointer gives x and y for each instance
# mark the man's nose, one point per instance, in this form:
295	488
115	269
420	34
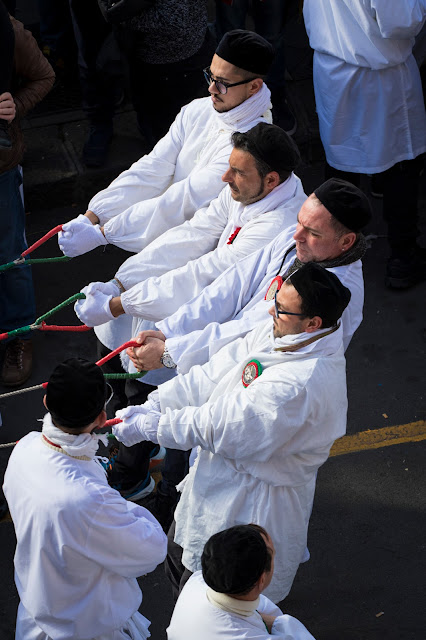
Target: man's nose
227	176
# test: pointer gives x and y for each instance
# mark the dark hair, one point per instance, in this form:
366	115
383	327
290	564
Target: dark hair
234	559
321	292
272	149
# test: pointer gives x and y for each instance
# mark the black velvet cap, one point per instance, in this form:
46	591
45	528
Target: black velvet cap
345	202
272	145
76	393
234	559
246	50
321	291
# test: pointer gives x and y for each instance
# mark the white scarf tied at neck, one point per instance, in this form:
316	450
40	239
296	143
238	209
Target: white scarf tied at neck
257	106
82	444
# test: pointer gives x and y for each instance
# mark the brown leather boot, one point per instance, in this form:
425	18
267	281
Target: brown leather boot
17	363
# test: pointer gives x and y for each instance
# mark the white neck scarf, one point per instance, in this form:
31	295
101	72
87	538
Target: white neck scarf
240	118
76	446
277	198
222	601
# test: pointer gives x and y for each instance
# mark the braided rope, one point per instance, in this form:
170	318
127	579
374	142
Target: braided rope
40	324
19	262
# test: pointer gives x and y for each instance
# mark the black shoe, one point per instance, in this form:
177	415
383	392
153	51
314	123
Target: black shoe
97	145
162	507
5	141
406	270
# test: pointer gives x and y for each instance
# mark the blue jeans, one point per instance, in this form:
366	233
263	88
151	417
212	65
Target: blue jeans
17	307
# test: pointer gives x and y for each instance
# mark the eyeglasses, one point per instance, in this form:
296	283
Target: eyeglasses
221	86
286	313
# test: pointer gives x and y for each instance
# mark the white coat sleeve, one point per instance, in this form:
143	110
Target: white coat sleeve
196	387
147	178
286	627
143	221
399	19
199	346
123	537
177	246
159	297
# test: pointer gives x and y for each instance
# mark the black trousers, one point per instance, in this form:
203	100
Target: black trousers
176	572
400	186
7	46
159	91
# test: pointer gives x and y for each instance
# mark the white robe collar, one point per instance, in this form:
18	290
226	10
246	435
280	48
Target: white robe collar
240	117
83	445
222	601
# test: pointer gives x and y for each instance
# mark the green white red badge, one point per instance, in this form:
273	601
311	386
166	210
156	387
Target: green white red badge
251	371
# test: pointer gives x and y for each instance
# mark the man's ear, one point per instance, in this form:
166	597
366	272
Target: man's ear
348	241
272	180
44	402
314	324
255	86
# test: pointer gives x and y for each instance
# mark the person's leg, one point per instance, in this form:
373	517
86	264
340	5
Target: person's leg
230	16
173	85
176	572
16	285
331	172
7	46
129	471
269	20
163	502
99	80
407	262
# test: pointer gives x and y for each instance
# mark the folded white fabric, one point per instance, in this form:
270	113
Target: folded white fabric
79	236
139	422
94	309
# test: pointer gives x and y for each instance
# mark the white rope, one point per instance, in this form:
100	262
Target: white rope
7	444
15	393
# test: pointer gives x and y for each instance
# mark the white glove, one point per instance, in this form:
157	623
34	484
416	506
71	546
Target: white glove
79	236
139	423
94	309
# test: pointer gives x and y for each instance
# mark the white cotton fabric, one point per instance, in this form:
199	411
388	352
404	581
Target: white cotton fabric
181	174
80	546
367	84
234	304
83	444
260	446
183	261
195	618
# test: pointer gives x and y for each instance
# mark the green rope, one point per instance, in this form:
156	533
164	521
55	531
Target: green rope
76	296
11	265
124	376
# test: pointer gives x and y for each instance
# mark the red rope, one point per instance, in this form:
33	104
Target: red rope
110	423
55	327
42	240
131	343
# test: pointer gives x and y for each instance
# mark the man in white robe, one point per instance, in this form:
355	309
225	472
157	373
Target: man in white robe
262	198
80	545
225	601
328	232
263	412
371	110
183	172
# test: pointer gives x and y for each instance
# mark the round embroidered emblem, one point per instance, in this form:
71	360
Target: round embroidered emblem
251	371
275	286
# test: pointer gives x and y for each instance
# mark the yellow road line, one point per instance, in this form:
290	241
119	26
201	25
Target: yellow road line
377	438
